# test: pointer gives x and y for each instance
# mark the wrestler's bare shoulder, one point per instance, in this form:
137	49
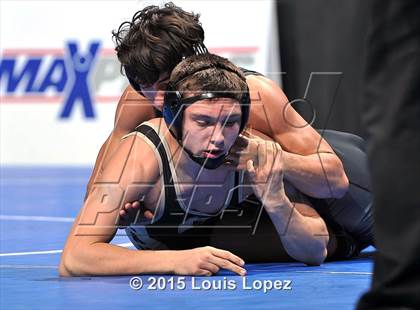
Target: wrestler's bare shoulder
135	158
260	83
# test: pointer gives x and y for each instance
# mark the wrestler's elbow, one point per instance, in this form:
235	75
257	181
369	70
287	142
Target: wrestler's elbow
65	267
316	248
342	187
341	182
316	256
312	252
71	264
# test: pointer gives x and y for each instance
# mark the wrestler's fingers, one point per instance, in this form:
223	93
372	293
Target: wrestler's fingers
129	206
262	154
122	220
239	160
203	272
136	204
227	264
227	255
278	155
242	140
148	214
122	213
132	207
269	157
210	267
250	169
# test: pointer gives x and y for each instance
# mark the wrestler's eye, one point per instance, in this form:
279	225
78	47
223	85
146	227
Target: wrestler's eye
230	123
202	123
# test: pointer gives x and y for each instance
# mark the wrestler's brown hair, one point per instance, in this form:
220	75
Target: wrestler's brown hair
156	40
208	72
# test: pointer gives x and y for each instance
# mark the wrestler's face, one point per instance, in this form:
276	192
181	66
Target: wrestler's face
210	127
155	92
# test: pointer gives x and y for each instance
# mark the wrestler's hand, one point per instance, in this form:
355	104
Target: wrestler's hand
245	148
132	211
266	176
206	261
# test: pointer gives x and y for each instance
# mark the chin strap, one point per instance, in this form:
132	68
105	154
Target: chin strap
207	163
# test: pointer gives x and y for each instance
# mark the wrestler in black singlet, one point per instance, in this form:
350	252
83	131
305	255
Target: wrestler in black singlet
245	228
349	218
165	232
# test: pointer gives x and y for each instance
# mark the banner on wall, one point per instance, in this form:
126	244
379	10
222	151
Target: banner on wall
60	80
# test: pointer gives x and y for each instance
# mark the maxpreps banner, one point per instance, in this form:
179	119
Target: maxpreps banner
59	76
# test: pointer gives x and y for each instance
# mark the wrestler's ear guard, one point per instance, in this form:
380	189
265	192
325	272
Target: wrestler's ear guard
245	107
172	110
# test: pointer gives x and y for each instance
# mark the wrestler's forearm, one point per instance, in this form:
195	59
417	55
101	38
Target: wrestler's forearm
304	238
318	175
103	259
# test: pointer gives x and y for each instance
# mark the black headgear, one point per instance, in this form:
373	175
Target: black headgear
174	106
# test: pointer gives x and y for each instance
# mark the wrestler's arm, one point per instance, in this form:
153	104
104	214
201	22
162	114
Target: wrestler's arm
309	162
305	238
303	232
132	110
87	250
128	176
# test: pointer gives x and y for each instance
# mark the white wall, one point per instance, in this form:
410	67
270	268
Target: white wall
31	129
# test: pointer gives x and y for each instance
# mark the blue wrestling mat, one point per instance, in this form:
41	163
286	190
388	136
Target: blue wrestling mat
37	209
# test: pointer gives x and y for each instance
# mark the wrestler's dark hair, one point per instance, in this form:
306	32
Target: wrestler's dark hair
156	40
208	72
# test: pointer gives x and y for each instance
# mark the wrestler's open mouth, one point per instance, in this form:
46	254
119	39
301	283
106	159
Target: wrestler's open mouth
212	153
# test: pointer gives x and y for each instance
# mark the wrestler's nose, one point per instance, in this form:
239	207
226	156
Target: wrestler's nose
218	137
